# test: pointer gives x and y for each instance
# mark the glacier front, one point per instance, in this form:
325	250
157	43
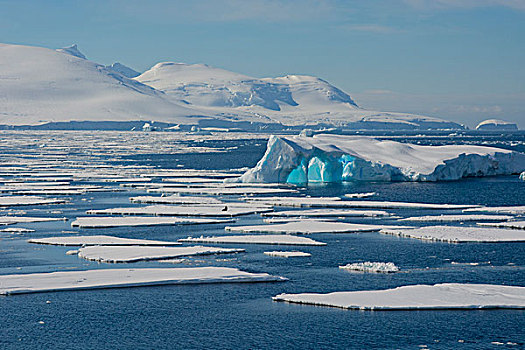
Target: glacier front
337	158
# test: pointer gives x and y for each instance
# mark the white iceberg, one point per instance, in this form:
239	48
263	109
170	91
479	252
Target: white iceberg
282	254
336	158
126	254
306	227
415	297
109	221
453	234
255	239
98	240
496	125
368	266
118	278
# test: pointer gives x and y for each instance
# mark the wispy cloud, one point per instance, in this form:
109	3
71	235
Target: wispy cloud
465	4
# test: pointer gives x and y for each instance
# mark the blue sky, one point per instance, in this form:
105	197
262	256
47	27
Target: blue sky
457	59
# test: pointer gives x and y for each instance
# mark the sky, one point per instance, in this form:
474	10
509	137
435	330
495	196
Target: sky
461	60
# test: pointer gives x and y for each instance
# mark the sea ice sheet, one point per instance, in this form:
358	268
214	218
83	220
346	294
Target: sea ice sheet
98	240
453	234
255	239
415	297
113	221
306	227
214	210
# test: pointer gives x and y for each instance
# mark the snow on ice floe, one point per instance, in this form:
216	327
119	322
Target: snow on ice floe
512	210
122	254
306	227
175	200
222	191
328	213
517	225
337	158
453	234
368	266
336	202
98	240
112	221
7	201
457	218
9	220
215	210
16	230
360	195
255	239
283	254
118	278
414	297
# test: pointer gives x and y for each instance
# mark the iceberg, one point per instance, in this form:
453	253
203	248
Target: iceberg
438	296
336	158
281	254
368	266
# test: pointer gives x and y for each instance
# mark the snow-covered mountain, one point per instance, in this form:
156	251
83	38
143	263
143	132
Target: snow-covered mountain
39	85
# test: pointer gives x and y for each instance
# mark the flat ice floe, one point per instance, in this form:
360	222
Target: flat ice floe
306	227
282	254
8	201
98	240
328	213
438	296
360	195
175	200
255	239
113	221
119	278
126	254
368	266
457	218
453	234
513	210
338	158
9	220
336	202
215	210
516	225
221	191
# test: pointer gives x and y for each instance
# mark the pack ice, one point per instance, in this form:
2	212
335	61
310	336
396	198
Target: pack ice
336	158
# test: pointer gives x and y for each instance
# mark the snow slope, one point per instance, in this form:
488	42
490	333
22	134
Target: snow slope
39	85
335	158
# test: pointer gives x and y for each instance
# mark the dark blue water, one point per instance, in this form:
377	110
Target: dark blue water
243	316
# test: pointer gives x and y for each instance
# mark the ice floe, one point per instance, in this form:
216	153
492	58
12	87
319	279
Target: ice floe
121	254
8	220
328	213
8	201
283	254
118	278
457	218
222	191
414	297
360	195
513	210
112	221
175	200
459	234
368	266
306	227
16	230
215	210
336	158
98	240
255	239
517	225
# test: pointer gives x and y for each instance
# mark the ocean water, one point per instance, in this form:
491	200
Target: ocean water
243	316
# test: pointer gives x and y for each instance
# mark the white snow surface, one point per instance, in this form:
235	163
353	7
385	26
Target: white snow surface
369	266
337	158
517	225
112	221
8	220
414	297
175	200
306	227
453	234
122	254
457	218
118	278
328	213
255	239
98	240
215	210
513	210
8	201
285	254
